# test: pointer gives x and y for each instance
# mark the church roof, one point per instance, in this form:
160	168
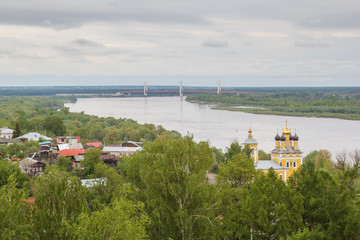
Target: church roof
288	150
267	164
250	141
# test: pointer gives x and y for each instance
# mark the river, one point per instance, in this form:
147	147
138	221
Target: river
220	127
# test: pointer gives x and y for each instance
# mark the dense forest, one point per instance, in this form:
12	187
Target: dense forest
163	192
342	106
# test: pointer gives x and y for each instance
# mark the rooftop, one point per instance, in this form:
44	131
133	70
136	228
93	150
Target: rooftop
34	136
70	152
267	164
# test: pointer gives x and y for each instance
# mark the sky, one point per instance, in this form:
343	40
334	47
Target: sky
126	42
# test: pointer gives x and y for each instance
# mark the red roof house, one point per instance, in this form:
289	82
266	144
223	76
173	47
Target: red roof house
93	144
71	152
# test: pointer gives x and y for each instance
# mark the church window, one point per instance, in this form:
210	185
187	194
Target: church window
294	164
281	176
287	163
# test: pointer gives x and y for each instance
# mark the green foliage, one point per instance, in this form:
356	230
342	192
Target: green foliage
239	170
15	211
169	176
271	208
122	219
235	148
263	155
63	163
91	159
17	130
219	155
20	150
59	199
329	207
55	125
8	169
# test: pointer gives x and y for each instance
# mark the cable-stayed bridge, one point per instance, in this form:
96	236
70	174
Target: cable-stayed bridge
181	91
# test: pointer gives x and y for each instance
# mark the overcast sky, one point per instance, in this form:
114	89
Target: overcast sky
125	42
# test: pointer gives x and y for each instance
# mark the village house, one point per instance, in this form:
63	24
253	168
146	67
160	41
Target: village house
93	144
33	136
68	139
32	167
76	156
6	133
110	160
124	149
70	146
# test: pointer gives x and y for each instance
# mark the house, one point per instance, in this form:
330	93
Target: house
76	155
70	146
6	133
68	139
121	151
93	144
110	160
32	167
46	150
33	136
125	149
131	144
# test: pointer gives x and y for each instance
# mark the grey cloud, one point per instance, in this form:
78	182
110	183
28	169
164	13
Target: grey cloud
85	47
214	43
84	42
69	14
310	44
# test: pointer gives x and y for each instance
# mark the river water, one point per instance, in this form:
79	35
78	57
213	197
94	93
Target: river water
220	127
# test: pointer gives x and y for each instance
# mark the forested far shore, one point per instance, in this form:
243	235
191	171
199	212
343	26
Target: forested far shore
342	106
46	115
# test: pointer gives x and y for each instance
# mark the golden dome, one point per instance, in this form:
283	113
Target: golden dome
286	131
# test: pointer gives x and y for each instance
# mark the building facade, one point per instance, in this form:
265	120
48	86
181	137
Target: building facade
286	157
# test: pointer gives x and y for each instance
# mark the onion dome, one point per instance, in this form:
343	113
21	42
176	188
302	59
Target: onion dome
277	137
282	138
295	137
291	137
286	131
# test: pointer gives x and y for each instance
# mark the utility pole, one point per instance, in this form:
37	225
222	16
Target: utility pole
145	89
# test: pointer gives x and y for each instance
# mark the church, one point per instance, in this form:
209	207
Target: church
286	157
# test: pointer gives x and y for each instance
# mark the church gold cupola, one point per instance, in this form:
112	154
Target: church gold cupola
252	144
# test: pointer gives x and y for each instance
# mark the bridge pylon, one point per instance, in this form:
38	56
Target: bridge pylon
219	88
181	90
145	89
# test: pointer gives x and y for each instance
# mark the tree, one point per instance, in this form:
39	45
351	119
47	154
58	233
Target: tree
236	173
239	170
55	125
17	131
15	211
8	169
169	176
235	148
271	208
263	155
111	135
91	159
59	199
122	219
330	208
63	163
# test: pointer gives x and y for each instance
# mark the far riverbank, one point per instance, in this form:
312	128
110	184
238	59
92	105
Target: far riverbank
286	104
